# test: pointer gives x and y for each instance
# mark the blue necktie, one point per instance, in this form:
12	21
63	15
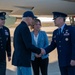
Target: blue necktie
59	31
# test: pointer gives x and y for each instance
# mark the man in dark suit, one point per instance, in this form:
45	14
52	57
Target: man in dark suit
5	44
23	45
64	39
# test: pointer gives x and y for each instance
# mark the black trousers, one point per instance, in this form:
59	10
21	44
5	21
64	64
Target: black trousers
3	68
68	70
40	65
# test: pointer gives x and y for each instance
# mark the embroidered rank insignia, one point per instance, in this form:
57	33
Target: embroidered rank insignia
6	33
66	33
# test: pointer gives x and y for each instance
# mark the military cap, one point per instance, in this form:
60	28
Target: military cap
29	14
2	15
59	14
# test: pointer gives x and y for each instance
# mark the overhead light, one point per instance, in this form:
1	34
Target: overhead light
18	16
49	19
45	19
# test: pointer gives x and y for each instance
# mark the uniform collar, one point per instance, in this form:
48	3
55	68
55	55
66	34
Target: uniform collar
62	27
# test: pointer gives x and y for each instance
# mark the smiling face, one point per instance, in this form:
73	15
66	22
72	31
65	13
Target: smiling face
36	25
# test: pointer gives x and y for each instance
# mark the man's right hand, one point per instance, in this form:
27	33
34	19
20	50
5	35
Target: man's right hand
38	55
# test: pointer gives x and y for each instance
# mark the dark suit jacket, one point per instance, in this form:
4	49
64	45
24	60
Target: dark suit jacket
23	46
5	43
65	43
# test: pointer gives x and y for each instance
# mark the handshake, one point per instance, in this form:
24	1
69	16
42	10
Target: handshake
42	53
